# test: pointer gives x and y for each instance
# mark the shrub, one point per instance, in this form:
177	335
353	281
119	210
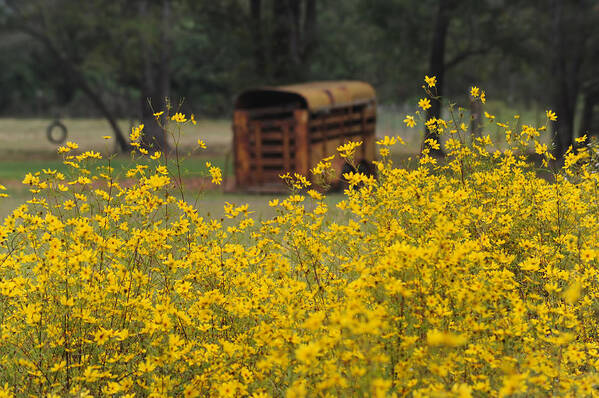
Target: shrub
469	276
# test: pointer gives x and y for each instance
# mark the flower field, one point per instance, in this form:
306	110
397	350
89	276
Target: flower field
469	276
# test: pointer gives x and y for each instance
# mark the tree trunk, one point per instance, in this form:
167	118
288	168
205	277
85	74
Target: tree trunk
566	65
295	37
155	83
309	38
563	128
281	39
476	118
73	73
591	98
437	66
256	26
309	30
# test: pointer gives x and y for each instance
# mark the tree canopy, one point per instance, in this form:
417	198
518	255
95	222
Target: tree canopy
108	58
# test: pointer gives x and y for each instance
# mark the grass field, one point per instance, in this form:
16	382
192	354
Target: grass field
23	142
26	138
209	203
24	148
20	137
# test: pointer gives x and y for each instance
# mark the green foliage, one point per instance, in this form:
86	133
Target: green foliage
212	50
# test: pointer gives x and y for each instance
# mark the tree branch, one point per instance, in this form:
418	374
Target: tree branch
465	55
74	73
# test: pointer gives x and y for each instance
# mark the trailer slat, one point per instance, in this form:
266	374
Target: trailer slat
258	151
286	148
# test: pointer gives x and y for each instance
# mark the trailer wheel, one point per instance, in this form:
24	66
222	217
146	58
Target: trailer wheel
56	132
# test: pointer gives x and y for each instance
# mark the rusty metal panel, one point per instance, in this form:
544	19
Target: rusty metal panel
302	142
257	136
241	148
286	148
325	95
317	96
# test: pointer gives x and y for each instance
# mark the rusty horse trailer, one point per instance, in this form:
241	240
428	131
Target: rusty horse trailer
291	128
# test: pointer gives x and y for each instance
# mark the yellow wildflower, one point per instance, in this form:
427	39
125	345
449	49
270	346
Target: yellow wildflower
424	103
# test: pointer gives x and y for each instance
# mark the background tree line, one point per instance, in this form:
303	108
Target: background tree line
121	58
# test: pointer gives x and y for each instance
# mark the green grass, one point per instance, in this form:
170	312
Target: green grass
208	203
192	166
27	137
24	148
7	205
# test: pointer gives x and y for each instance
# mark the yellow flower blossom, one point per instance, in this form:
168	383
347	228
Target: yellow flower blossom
387	141
307	353
551	115
179	117
215	173
136	133
409	121
489	116
424	103
348	149
471	275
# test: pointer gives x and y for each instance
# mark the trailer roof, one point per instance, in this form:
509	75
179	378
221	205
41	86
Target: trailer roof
315	96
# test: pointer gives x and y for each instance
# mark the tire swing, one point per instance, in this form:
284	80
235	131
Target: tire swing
56	132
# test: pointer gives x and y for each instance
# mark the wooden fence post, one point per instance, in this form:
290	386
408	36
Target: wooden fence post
256	131
286	148
302	142
241	147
